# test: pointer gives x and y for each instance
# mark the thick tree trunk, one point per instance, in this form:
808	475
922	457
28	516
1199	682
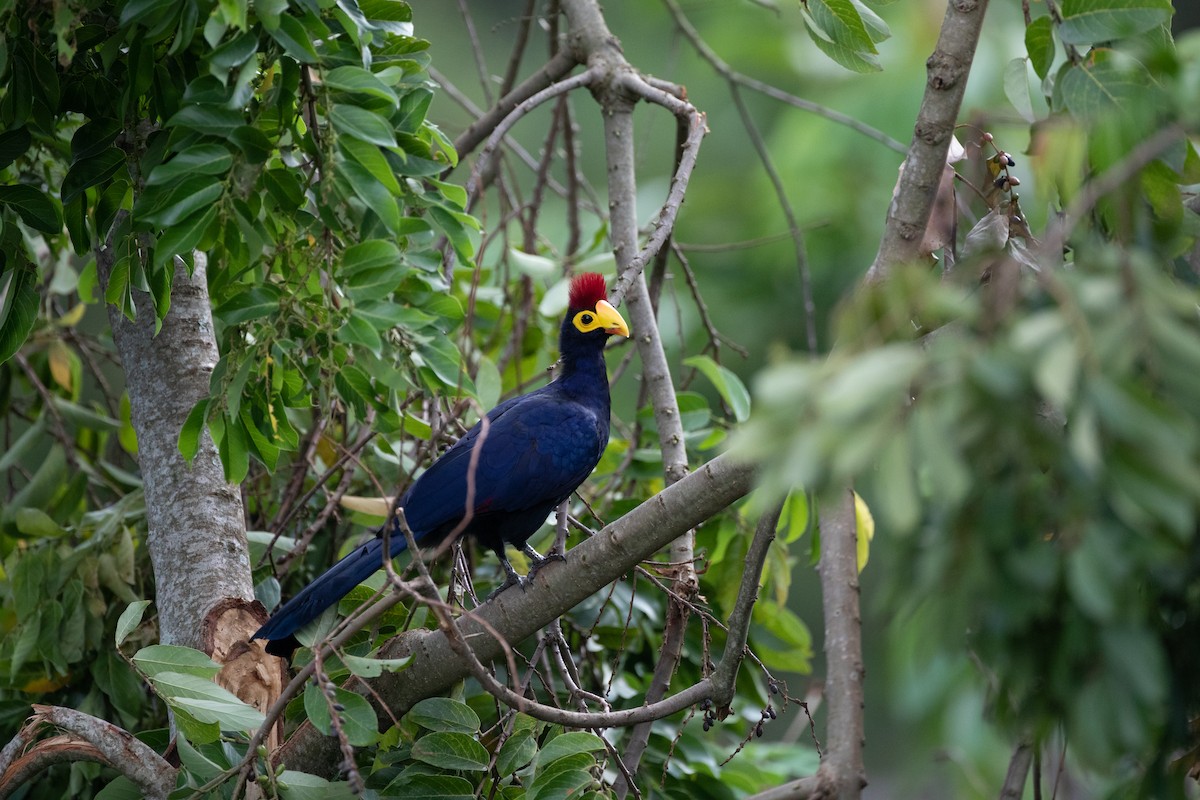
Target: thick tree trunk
197	532
197	535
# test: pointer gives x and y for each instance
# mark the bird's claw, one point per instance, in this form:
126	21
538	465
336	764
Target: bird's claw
553	555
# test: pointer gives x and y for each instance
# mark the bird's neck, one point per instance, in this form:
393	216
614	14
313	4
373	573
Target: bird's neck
583	375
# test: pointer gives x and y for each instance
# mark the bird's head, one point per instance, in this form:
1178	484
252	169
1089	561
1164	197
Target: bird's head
589	314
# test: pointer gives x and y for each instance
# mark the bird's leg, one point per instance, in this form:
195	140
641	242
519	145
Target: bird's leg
538	560
511	577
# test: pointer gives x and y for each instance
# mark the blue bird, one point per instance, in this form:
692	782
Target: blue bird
538	449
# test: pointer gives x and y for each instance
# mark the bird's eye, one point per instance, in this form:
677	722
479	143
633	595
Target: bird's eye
586	319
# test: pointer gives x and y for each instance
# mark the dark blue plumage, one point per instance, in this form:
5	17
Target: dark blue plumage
538	448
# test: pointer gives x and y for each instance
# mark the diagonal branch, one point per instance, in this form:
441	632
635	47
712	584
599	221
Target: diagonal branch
515	616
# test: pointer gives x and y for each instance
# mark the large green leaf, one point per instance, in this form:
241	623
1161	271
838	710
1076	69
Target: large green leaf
362	124
18	309
158	658
444	714
13	144
295	39
360	81
91	171
451	750
1093	21
163	206
199	159
355	715
33	207
1039	44
727	384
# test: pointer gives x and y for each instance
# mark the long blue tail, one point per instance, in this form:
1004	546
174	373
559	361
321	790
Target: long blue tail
323	592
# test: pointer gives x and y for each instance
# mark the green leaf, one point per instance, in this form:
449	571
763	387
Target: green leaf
229	715
232	54
362	124
196	762
444	714
18	309
357	718
856	60
442	356
372	160
357	79
255	302
1039	44
1094	21
374	667
182	238
1094	89
295	40
877	29
253	143
368	255
374	195
13	145
302	786
200	159
533	265
234	451
563	779
429	787
451	750
193	427
517	751
35	522
567	744
1016	87
34	208
358	331
841	24
91	171
120	788
138	10
205	701
727	384
166	206
171	658
210	120
130	618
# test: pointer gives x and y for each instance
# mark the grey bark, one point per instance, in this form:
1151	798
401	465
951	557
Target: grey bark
197	534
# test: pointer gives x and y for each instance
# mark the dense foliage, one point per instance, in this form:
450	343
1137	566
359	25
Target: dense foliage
358	334
1025	422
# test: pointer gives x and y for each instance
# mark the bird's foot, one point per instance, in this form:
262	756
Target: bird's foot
541	561
513	579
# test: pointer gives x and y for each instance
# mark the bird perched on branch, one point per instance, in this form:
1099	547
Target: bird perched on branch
536	450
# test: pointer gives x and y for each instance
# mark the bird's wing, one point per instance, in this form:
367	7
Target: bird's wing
538	449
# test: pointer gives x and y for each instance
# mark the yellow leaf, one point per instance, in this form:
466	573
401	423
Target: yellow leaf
46	685
864	529
375	506
327	450
72	317
60	364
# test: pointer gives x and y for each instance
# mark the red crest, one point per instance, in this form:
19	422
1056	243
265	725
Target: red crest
587	289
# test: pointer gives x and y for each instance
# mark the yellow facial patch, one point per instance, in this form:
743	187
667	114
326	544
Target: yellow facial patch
604	317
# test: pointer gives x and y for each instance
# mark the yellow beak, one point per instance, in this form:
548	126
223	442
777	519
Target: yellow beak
611	321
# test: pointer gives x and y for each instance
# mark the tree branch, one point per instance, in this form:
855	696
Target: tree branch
90	739
553	70
947	70
559	587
